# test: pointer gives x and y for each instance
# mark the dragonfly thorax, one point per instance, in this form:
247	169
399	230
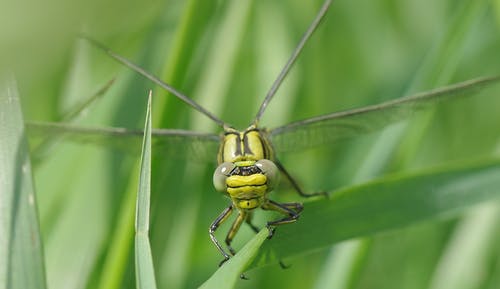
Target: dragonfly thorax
248	145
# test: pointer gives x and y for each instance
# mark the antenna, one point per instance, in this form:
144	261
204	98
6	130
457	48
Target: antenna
291	60
156	80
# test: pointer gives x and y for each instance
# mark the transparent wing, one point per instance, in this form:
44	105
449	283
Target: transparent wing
340	125
169	142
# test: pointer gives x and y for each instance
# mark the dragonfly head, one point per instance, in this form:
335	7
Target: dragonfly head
246	182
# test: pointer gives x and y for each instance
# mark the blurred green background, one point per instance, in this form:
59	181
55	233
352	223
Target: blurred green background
226	54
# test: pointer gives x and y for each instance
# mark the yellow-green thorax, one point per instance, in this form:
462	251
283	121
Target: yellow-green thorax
248	145
245	173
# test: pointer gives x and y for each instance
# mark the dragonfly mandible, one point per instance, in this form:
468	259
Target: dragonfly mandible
248	169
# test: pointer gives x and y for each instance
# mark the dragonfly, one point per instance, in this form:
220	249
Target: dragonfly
247	165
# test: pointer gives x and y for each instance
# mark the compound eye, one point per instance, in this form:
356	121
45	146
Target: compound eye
270	170
220	175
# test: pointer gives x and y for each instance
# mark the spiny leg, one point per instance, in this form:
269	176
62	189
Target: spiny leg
213	227
248	220
294	183
291	215
297	207
234	229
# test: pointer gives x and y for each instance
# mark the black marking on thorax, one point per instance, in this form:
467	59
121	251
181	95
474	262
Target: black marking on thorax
238	142
246	147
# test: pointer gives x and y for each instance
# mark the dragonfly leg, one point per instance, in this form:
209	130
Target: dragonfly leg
291	215
234	229
213	227
297	207
283	265
294	183
248	220
242	216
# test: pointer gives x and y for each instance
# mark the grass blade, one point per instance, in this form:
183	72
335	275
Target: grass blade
388	203
144	269
21	255
473	240
343	265
229	273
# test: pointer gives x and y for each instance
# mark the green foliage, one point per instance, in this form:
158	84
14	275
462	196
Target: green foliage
225	54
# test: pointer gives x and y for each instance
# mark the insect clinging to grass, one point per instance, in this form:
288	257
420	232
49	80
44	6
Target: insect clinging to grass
248	169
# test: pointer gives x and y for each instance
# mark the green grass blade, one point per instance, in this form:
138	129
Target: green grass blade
21	255
144	269
117	256
474	240
343	265
229	273
389	203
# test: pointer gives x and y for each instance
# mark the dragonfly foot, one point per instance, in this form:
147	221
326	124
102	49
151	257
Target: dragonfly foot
271	231
243	277
283	265
224	260
231	250
315	194
325	194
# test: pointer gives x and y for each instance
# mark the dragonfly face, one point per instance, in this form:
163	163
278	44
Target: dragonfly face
245	172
